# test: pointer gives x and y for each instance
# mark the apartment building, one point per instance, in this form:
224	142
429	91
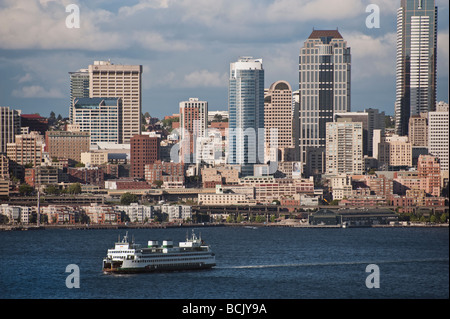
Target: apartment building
66	144
108	80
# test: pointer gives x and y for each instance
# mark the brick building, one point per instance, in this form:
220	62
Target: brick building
143	150
171	174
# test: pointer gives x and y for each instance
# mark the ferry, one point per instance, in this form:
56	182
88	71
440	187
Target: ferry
129	257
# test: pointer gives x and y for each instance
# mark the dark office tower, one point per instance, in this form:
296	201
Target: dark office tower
416	61
79	87
143	150
324	89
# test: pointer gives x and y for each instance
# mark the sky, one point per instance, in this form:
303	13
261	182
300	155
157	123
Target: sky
186	47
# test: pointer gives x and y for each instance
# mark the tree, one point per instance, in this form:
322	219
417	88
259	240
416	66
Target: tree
25	189
259	218
158	183
128	198
74	188
52	190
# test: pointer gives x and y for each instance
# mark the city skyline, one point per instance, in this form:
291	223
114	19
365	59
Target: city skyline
186	48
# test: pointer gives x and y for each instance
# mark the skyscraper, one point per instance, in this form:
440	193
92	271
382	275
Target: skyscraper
344	149
324	89
278	115
416	61
9	126
193	123
246	113
102	117
79	87
124	81
143	150
438	124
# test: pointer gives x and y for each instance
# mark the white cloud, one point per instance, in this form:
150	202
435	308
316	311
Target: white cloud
143	4
26	78
307	10
37	91
205	78
371	56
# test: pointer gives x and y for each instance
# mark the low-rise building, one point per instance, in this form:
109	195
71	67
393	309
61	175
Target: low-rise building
102	214
16	214
136	212
170	174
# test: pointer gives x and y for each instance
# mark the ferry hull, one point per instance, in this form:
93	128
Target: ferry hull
158	268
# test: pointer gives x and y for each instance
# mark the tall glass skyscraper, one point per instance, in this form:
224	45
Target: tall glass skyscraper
416	61
324	89
79	88
246	114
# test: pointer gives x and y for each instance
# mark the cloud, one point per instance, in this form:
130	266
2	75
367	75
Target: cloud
443	53
372	56
308	10
142	5
26	78
205	78
37	91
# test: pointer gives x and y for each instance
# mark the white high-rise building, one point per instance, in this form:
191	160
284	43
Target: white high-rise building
344	147
246	114
438	137
416	61
120	81
99	116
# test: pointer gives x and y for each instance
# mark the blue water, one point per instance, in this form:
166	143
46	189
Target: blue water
275	263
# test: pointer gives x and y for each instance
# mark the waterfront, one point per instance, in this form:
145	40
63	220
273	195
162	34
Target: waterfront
275	263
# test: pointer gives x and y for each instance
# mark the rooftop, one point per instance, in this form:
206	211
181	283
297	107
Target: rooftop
317	34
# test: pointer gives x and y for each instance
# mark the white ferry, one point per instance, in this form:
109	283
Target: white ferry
128	257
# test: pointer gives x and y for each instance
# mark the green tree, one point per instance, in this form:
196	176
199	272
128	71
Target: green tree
128	198
158	183
25	189
259	218
52	190
74	188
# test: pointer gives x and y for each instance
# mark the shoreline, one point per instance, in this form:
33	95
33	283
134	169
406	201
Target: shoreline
243	225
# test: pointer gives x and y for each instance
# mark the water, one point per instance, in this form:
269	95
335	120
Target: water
263	263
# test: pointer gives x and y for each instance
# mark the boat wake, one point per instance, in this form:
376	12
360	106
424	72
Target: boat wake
338	263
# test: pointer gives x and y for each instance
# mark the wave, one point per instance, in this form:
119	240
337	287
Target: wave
336	263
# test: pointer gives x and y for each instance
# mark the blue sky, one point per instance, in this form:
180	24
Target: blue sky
186	47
